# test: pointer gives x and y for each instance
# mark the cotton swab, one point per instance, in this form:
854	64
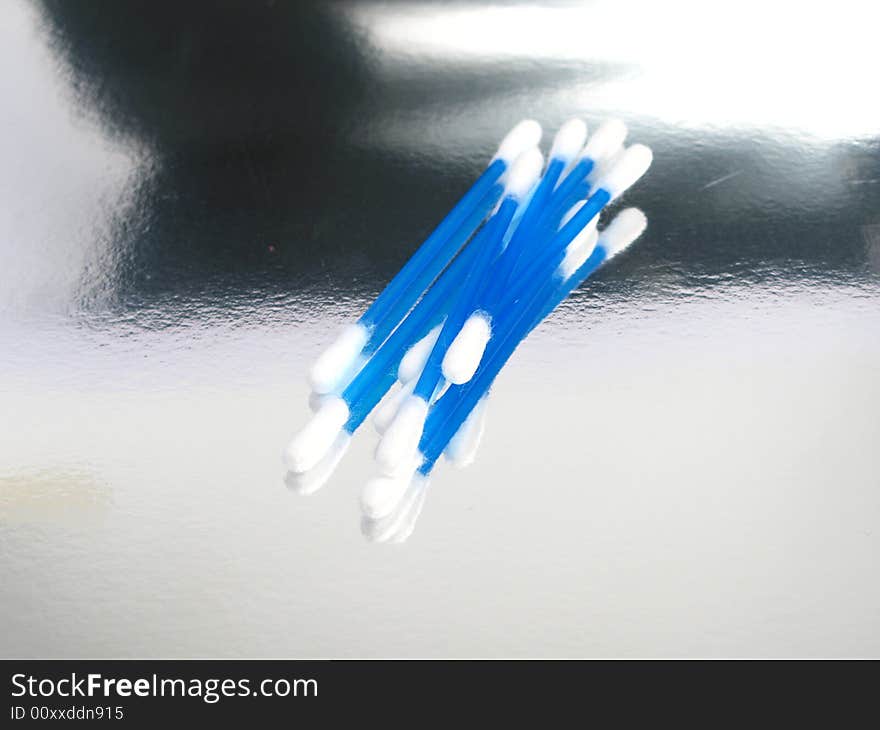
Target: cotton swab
308	482
566	145
633	163
465	353
516	244
382	494
435	304
348	409
599	155
339	360
606	142
403	434
379	331
310	444
399	524
448	415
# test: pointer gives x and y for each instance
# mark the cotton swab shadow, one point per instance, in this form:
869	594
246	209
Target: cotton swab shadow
308	482
462	449
399	525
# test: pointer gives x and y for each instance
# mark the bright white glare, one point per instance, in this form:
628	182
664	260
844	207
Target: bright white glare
803	67
63	180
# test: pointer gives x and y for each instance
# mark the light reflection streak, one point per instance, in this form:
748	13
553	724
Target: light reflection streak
764	66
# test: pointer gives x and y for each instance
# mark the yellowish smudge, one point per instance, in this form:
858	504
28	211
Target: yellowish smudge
52	496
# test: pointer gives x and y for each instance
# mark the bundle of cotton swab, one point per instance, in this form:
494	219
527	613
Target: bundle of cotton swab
515	246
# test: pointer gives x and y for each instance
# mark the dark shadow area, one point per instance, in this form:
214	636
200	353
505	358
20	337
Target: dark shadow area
246	107
249	109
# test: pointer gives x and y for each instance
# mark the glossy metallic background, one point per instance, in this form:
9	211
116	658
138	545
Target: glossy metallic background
683	460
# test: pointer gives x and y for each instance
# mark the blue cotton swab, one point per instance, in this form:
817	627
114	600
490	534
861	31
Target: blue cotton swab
379	332
464	354
402	436
566	145
599	155
382	494
339	360
349	409
334	412
373	382
606	142
579	264
449	321
632	164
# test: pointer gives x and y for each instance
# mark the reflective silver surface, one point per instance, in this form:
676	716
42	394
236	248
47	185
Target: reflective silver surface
681	461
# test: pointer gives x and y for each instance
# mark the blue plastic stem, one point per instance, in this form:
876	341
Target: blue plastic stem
576	175
451	411
540	267
380	372
523	234
463	305
559	205
433	255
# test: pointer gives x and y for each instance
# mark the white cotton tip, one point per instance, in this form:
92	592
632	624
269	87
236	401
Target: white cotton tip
388	408
606	141
601	168
313	442
400	442
464	354
462	449
381	495
569	140
523	174
335	363
626	227
579	250
633	163
413	361
308	482
399	524
524	135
